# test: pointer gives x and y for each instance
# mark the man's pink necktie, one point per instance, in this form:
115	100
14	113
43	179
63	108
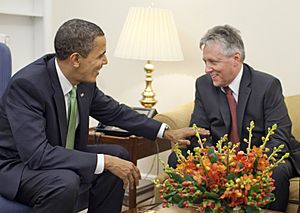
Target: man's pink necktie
233	136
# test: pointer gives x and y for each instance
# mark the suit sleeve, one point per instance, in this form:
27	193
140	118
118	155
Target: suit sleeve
199	115
275	112
25	109
108	111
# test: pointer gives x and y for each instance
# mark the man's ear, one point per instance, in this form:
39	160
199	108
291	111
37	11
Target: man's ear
237	58
74	59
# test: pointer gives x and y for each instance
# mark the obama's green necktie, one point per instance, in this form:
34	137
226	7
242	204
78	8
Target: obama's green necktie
72	119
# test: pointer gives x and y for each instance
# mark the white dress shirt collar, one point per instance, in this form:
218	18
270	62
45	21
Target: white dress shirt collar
235	84
64	82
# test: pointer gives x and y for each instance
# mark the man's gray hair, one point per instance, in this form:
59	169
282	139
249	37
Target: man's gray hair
228	37
76	36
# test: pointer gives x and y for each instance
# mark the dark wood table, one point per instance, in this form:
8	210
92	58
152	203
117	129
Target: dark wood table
138	147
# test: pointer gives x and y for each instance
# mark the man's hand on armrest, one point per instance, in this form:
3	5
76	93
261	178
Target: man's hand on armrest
123	169
180	135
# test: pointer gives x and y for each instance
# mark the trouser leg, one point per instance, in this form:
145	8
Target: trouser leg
282	175
107	193
58	190
48	191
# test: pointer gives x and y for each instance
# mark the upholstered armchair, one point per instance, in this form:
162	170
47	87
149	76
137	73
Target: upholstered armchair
5	66
10	206
180	117
5	74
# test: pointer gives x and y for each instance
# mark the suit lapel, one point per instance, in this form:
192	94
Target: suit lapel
224	108
244	93
59	101
80	102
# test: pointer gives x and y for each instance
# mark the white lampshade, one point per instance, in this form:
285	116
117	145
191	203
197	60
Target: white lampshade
149	34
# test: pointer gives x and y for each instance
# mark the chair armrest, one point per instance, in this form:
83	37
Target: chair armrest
293	103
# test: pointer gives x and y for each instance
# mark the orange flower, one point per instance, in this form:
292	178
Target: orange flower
221	179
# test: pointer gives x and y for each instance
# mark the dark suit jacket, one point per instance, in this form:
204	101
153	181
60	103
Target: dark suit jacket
260	99
33	124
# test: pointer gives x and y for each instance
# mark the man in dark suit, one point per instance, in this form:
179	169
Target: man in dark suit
257	96
36	112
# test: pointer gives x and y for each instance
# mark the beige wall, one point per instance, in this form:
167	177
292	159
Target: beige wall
270	29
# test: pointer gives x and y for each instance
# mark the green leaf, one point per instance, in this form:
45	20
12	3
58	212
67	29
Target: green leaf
252	209
228	209
255	188
188	177
230	176
170	195
240	165
201	188
176	177
176	198
211	195
198	199
214	158
208	210
255	164
210	150
180	204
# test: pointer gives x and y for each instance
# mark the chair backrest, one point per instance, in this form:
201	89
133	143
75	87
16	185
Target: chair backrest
180	116
5	66
293	103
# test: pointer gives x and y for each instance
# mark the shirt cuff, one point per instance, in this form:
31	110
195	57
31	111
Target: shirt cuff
162	130
100	164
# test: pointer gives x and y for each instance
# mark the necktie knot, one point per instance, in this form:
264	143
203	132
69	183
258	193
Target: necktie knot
72	93
228	91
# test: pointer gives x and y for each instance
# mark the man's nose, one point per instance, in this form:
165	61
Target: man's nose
208	68
105	60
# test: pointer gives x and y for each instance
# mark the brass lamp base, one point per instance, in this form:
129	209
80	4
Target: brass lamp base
148	100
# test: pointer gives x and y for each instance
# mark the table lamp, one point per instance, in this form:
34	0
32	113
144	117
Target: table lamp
149	34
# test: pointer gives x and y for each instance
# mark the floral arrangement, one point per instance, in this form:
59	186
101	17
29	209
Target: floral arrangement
221	178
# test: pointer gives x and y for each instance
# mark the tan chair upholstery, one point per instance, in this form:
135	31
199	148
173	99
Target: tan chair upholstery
180	117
